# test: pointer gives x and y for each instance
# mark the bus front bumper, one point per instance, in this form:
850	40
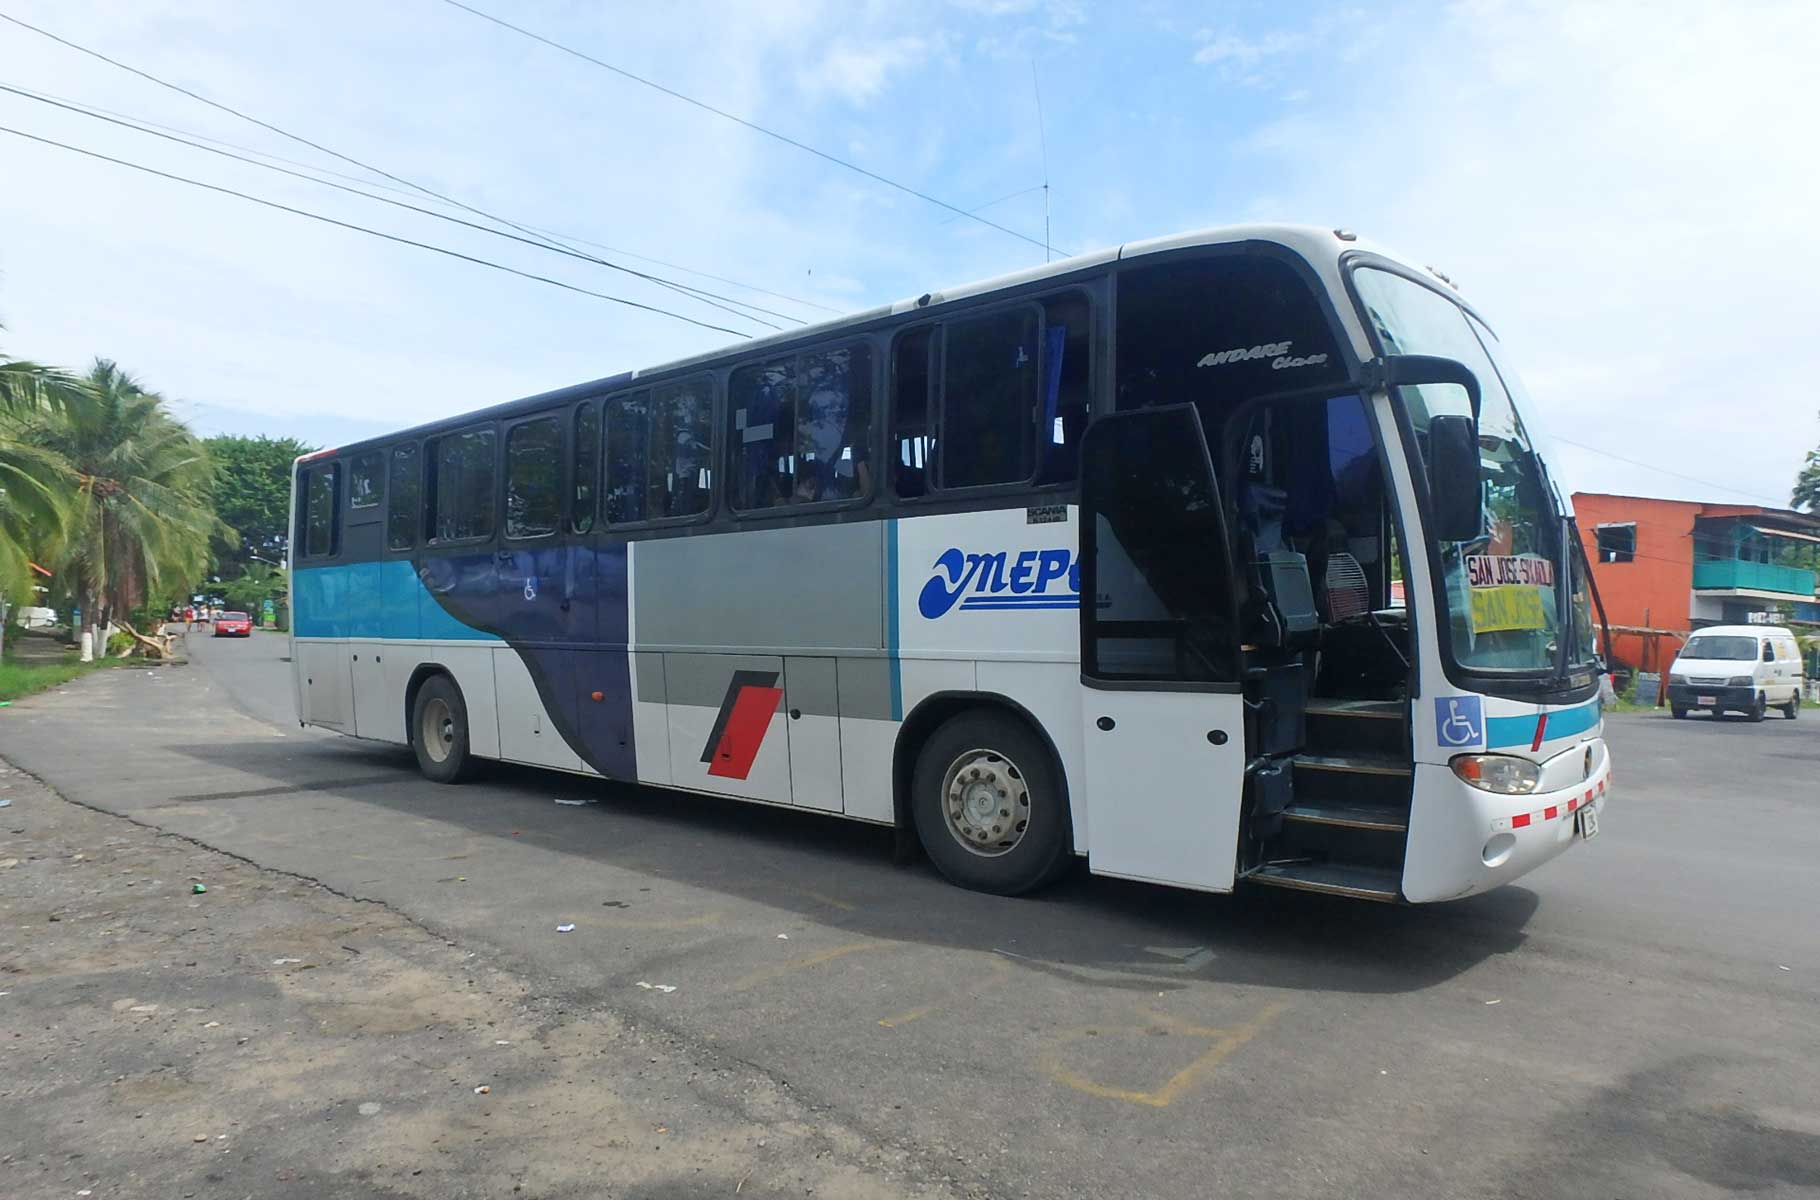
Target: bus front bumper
1463	841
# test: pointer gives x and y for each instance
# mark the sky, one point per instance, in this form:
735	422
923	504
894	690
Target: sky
1624	189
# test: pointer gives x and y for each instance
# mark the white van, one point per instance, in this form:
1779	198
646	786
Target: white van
1740	668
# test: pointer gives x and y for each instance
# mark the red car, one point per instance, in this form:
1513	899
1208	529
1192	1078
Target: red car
232	624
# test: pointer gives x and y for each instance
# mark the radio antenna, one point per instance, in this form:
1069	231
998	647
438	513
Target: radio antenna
1042	140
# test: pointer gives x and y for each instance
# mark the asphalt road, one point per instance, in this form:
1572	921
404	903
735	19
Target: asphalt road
1636	1019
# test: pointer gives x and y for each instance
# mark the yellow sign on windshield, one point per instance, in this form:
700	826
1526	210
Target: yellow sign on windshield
1513	606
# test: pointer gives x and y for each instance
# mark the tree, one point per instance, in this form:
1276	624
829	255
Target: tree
1807	484
36	485
142	520
252	496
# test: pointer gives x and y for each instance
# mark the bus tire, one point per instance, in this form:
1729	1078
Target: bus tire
990	805
1760	708
439	731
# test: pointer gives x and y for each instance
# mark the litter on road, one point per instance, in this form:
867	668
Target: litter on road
483	1090
572	803
570	928
285	962
657	987
196	889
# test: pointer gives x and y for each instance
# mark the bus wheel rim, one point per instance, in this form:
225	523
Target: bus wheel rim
986	802
438	730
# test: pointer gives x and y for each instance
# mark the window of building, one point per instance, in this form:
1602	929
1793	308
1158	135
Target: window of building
464	472
1617	543
405	493
587	467
533	478
321	490
801	427
659	454
364	484
989	392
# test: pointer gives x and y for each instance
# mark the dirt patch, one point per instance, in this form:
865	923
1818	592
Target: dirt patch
268	1037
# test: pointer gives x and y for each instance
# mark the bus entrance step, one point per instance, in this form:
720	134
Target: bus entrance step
1335	879
1384	818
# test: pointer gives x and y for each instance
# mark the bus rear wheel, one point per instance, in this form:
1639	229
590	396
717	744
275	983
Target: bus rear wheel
439	731
990	805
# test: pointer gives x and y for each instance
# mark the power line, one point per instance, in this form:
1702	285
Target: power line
340	187
390	237
739	120
1664	470
1000	200
285	133
142	123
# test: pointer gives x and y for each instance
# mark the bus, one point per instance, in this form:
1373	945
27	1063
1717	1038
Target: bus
1220	558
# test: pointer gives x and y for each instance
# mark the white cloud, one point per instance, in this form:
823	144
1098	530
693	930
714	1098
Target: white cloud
1622	189
858	71
1237	50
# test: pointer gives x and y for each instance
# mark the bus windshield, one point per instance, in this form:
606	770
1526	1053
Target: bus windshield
1498	589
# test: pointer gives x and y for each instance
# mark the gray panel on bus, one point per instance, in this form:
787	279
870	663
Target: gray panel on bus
816	588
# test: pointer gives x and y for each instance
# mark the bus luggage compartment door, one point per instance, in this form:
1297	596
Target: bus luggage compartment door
1161	705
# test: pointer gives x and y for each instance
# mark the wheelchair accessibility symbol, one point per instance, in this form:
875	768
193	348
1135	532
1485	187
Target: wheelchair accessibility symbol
531	588
1459	722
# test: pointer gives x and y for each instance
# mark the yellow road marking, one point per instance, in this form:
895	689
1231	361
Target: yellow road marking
699	921
998	965
821	898
813	960
1225	1042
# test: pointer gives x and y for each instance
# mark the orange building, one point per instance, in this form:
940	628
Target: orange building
1666	567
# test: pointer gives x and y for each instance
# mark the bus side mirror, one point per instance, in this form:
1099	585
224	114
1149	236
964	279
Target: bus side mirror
1453	477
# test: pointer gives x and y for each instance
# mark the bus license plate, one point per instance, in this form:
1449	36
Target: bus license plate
1589	823
1706	701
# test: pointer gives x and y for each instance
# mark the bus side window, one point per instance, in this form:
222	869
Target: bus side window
681	477
364	481
463	467
912	437
989	393
533	475
762	402
801	427
586	467
628	432
404	491
321	491
1067	387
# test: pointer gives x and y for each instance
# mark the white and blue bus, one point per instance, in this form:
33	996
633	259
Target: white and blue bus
1222	557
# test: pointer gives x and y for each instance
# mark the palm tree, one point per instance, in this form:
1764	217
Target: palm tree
142	518
36	485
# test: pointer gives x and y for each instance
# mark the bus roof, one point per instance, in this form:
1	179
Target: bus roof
1318	246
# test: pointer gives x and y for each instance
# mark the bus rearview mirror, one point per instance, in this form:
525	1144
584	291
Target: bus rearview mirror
1453	477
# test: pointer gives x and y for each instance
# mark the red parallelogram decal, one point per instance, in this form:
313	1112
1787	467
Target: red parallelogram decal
739	728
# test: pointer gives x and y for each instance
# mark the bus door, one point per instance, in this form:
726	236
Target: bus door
1161	703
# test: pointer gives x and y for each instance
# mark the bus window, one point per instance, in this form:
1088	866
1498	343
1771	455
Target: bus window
364	481
801	427
462	499
533	474
320	489
628	430
989	385
1219	330
681	463
1067	387
587	467
405	494
913	443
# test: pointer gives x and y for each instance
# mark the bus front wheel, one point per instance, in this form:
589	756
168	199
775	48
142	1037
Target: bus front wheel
990	805
439	731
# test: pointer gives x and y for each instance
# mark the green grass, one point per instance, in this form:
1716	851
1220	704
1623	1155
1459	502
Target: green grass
19	679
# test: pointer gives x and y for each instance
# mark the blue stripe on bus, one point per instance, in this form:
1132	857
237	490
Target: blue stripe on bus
897	666
1521	731
337	602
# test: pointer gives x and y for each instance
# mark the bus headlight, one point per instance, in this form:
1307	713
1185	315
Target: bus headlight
1738	681
1501	773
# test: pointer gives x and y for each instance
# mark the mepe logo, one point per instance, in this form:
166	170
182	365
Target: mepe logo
1034	579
